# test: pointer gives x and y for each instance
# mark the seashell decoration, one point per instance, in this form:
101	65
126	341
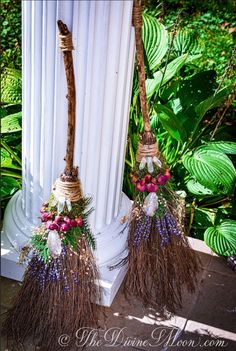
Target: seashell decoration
150	204
54	243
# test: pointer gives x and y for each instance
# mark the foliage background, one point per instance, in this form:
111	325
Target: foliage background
10	99
214	23
11	34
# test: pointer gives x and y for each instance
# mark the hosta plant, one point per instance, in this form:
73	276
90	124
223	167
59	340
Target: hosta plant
11	164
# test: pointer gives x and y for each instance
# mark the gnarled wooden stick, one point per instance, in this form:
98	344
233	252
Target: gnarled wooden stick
66	45
137	21
147	137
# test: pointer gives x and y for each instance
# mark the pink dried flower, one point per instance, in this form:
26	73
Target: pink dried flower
79	221
73	223
53	226
140	187
45	216
58	219
152	188
48	224
64	227
67	219
142	182
162	179
148	178
168	174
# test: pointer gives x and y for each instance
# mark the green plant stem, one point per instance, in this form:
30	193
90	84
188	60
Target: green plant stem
8	149
176	154
167	61
11	174
217	202
228	103
192	213
128	163
228	68
132	155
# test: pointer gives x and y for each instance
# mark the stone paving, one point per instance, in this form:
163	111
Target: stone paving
207	320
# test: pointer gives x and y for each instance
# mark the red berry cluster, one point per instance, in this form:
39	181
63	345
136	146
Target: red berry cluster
150	183
57	222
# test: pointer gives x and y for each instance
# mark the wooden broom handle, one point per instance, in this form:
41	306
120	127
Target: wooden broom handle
66	45
137	22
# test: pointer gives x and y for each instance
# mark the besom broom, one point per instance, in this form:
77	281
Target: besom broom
59	283
160	261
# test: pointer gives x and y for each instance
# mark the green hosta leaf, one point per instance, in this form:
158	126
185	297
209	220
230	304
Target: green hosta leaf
8	186
10	151
13	174
169	91
187	42
155	40
204	217
10	109
227	147
6	160
196	89
192	58
212	169
222	238
11	86
176	105
11	123
212	101
198	189
169	121
173	67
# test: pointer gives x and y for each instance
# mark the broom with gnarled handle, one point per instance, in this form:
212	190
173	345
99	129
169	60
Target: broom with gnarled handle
160	260
59	283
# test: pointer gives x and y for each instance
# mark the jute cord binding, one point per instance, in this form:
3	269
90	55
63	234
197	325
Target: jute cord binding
146	151
70	190
65	42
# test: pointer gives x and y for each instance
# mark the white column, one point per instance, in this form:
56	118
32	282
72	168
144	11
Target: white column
103	61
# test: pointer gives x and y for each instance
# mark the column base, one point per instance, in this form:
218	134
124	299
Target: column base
10	267
111	242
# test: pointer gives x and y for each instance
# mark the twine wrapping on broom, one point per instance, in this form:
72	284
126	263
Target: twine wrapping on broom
65	42
70	190
146	150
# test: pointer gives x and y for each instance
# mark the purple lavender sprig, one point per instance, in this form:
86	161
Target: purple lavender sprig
138	232
53	271
172	224
162	230
167	226
142	230
147	230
